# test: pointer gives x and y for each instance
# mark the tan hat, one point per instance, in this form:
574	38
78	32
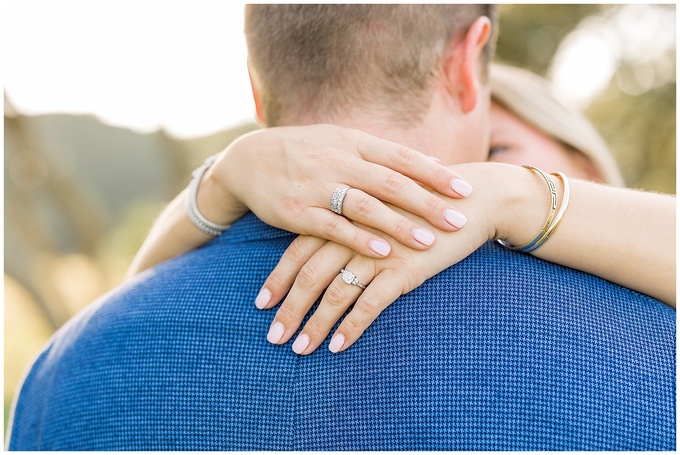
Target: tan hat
529	97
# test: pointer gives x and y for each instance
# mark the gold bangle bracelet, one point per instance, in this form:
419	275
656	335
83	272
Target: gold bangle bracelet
548	222
560	213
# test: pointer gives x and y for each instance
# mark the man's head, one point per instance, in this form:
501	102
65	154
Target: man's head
329	63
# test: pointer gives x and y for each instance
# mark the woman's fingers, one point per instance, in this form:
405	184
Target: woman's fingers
375	182
339	296
382	291
330	226
369	211
411	163
282	277
310	282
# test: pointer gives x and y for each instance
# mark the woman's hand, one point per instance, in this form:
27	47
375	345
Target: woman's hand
388	278
287	175
509	202
311	265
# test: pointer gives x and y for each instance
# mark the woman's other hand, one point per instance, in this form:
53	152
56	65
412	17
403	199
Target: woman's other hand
509	202
287	175
311	265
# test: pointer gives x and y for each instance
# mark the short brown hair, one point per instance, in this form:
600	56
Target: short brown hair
327	59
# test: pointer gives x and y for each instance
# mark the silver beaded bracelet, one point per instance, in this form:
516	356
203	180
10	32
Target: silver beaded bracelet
194	214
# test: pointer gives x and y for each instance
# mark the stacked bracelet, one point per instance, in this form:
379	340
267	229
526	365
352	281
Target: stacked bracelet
553	219
194	214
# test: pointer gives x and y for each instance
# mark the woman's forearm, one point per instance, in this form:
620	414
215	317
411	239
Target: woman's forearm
173	233
622	235
287	175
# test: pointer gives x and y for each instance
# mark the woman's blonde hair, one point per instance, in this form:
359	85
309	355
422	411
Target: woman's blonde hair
529	97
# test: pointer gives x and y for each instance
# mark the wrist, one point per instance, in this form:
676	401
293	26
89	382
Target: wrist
523	205
215	199
495	198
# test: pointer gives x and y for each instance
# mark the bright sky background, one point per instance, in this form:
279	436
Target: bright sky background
588	57
141	64
181	65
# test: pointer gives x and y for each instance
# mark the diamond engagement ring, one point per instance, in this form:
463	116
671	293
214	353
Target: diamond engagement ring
337	199
350	278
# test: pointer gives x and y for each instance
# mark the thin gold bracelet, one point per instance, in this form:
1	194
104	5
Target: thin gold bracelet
543	234
558	217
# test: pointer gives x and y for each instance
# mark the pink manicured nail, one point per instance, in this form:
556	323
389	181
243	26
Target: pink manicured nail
263	298
380	247
461	187
301	343
423	236
336	342
455	218
275	333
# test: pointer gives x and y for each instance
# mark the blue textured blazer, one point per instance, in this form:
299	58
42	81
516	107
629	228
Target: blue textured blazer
501	352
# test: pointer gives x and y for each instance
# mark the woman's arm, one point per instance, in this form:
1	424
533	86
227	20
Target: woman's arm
625	236
622	235
173	234
286	176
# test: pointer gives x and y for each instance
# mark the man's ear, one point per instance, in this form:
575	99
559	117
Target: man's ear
468	71
256	98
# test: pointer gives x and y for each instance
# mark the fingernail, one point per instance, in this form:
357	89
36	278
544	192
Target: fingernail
455	218
423	236
461	187
263	298
380	247
275	332
435	159
336	342
301	343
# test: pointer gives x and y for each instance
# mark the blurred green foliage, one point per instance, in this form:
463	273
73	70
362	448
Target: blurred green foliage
529	34
637	122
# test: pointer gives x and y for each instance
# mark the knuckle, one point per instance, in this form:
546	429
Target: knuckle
364	206
405	157
348	135
432	205
335	297
358	241
332	227
296	250
442	174
293	205
275	281
313	329
402	225
370	305
351	327
287	315
395	183
307	277
409	277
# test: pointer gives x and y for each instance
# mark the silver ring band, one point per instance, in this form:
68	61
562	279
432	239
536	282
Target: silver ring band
337	199
350	278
